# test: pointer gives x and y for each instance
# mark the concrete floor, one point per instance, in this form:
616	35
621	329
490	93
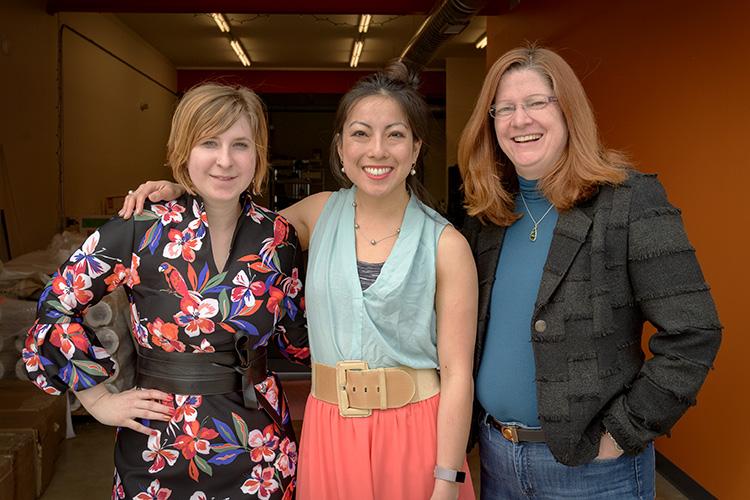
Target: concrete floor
85	466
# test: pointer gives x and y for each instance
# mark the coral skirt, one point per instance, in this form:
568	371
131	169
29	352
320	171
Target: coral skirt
389	455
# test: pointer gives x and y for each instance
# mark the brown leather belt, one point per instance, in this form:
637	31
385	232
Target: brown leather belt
517	434
357	390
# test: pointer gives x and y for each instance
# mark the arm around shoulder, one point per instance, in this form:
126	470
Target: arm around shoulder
291	330
304	214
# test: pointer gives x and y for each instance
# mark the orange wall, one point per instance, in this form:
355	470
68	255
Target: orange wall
669	82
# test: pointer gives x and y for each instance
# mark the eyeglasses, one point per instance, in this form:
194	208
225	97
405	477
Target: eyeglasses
504	109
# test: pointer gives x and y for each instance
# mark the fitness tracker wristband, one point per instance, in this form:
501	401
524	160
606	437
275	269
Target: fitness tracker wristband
449	474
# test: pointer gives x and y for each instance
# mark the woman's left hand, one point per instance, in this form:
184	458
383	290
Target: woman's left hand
607	448
151	190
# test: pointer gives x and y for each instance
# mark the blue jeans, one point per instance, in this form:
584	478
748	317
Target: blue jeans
520	471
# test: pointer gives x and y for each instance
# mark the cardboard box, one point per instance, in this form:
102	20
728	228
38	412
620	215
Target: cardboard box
18	453
6	479
25	409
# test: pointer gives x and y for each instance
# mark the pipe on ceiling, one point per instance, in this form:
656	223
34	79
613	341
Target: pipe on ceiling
436	29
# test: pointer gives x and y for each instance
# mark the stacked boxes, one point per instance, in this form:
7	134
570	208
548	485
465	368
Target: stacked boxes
28	415
19	452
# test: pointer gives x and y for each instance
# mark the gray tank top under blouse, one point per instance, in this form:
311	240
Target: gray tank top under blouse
368	273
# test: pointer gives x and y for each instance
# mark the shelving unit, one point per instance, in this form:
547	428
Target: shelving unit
294	180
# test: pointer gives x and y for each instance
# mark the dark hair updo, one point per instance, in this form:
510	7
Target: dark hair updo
397	83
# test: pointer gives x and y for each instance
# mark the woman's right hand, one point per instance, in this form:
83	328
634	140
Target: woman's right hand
154	191
123	408
608	448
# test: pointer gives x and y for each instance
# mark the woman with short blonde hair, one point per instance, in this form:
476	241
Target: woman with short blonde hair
212	279
213	107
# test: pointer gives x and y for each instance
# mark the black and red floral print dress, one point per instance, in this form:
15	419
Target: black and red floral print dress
213	447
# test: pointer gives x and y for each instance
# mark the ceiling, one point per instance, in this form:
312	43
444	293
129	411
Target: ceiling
296	34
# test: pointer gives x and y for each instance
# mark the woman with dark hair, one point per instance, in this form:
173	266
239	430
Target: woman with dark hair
574	252
391	299
211	279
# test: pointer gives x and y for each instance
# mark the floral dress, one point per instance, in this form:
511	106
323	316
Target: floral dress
213	447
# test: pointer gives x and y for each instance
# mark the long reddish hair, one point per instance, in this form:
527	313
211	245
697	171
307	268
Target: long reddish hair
490	182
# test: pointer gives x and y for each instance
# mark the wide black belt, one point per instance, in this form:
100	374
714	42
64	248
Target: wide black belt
187	373
209	373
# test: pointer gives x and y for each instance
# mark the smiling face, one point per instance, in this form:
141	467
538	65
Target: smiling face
532	140
377	147
221	166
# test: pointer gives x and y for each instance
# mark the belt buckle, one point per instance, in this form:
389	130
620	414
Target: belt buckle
510	432
344	409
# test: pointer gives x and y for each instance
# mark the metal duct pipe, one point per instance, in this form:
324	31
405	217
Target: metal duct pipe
447	19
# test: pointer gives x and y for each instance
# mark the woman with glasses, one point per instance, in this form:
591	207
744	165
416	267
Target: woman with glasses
574	252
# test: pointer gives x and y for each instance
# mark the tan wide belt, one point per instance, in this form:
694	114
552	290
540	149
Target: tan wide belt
358	390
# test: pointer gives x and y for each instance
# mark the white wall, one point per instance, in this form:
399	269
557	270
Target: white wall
115	118
110	144
28	124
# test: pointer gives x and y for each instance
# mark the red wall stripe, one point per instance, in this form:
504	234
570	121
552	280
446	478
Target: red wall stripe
298	82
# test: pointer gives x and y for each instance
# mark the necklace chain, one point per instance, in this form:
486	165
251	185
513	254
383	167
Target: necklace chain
533	233
372	242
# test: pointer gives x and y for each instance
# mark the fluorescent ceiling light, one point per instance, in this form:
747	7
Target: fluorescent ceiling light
240	51
221	22
364	22
482	42
356	52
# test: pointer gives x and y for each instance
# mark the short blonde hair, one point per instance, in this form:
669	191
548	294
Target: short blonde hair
489	177
211	109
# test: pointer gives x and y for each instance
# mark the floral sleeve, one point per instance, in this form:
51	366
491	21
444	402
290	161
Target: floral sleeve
290	333
61	352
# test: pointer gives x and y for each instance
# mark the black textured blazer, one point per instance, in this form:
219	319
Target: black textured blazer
616	260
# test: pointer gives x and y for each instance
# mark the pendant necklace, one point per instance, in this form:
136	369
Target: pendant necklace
533	233
372	242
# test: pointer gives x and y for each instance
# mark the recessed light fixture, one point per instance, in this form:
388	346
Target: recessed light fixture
482	42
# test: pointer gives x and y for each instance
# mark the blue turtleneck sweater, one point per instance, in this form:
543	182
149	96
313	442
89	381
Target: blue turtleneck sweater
505	383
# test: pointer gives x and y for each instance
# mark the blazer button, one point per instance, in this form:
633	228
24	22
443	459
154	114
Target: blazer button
540	326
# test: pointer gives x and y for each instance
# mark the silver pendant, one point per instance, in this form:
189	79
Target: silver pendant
532	234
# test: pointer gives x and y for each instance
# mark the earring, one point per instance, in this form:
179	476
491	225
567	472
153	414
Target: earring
343	171
413	170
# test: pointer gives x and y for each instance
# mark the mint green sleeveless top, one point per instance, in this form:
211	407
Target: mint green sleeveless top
392	323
